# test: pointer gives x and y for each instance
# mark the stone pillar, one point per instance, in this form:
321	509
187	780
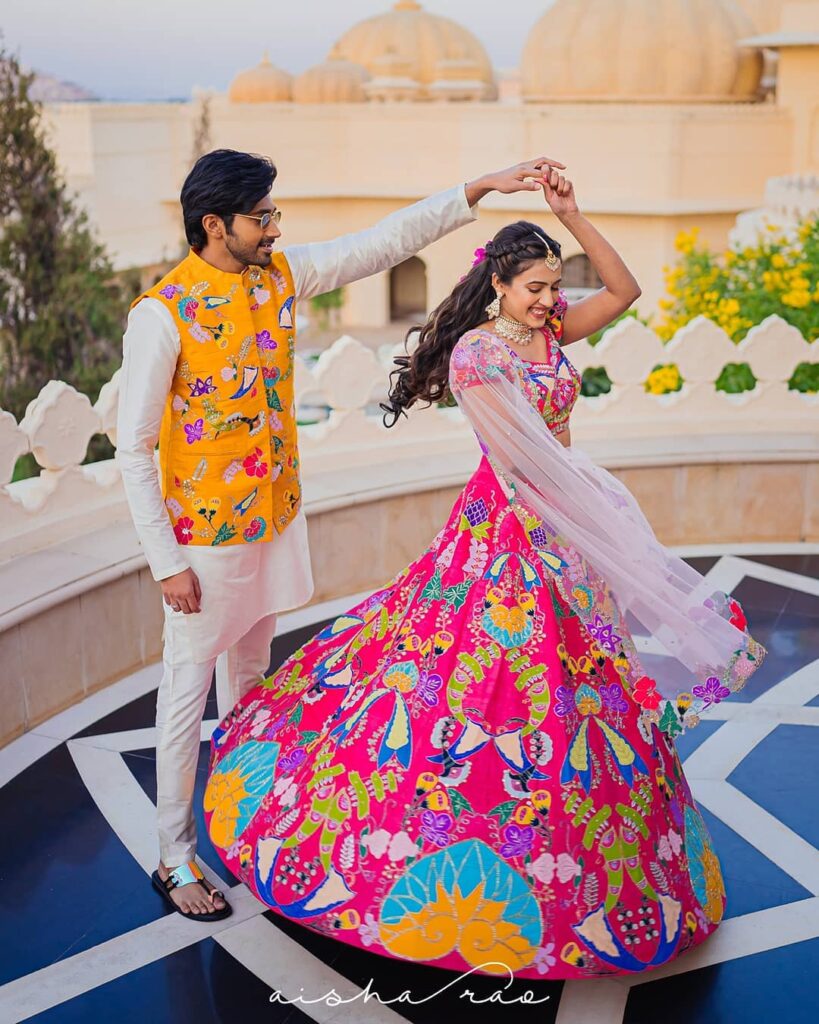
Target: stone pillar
797	89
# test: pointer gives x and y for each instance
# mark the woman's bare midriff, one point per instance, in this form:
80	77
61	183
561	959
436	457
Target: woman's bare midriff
564	436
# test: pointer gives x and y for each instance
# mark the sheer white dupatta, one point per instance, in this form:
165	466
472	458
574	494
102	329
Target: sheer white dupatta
699	650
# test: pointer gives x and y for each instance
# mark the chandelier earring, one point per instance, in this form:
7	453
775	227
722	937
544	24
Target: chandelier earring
493	309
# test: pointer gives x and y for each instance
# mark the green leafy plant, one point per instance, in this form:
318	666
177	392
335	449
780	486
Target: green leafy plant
61	308
595	382
324	306
735	378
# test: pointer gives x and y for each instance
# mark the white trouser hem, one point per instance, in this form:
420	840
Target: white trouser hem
180	706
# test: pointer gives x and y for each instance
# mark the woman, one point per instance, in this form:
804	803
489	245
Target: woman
473	768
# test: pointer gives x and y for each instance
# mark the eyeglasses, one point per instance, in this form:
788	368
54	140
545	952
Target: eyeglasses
263	218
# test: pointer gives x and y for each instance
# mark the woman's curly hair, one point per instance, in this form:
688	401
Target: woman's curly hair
423	375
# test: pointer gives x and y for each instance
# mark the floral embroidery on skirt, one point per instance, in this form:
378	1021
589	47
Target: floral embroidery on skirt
459	771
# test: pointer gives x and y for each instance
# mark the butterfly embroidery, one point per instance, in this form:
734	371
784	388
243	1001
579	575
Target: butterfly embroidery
290	762
265	342
428	688
202	387
194	431
613	698
565	701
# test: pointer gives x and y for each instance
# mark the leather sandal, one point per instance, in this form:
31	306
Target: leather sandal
183	875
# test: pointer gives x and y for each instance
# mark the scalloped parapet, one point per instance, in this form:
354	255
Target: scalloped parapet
59	423
628	350
349	439
700	350
13	444
106	407
345	372
774	348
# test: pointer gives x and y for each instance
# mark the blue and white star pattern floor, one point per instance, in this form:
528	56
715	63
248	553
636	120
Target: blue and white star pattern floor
86	939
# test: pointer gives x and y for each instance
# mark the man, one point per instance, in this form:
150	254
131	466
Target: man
208	373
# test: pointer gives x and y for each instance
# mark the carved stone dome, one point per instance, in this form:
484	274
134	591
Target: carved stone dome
413	54
764	14
641	51
262	84
335	81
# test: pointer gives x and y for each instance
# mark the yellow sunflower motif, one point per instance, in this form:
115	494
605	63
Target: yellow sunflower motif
714	887
463	899
402	676
222	798
237	785
473	925
511	619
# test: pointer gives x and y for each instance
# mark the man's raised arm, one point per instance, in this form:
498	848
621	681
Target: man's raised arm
320	267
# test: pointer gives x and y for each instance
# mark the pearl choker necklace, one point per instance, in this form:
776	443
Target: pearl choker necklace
514	330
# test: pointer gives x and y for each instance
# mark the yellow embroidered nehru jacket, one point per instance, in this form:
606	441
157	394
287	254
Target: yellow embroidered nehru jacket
228	453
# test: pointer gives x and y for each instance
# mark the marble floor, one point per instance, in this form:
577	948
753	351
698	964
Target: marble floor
86	939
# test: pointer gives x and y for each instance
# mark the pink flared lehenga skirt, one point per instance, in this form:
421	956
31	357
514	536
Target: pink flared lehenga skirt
470	770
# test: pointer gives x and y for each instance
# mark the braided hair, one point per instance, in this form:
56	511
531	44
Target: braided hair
424	374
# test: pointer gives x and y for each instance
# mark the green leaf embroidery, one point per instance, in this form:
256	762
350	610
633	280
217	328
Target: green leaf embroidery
383	623
459	802
503	812
456	595
556	605
224	534
433	591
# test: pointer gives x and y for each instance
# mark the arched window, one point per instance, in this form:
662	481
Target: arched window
408	290
579	276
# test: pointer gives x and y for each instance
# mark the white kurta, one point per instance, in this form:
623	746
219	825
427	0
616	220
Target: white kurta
242	583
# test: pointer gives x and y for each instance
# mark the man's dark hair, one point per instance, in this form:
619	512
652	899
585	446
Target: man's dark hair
223	182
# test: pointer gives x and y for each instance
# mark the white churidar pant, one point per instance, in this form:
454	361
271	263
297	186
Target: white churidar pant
180	707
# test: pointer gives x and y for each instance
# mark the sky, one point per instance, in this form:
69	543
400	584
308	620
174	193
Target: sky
163	49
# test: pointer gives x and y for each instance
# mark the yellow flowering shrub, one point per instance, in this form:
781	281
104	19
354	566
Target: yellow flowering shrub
743	286
778	275
664	378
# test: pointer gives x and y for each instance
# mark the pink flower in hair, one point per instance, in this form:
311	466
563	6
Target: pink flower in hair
479	254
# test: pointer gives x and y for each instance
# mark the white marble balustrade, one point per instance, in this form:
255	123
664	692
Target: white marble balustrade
351	449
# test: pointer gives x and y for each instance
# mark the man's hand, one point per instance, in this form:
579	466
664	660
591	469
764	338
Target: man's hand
525	177
182	592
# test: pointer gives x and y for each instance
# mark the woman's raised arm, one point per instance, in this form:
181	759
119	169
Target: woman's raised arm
620	288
